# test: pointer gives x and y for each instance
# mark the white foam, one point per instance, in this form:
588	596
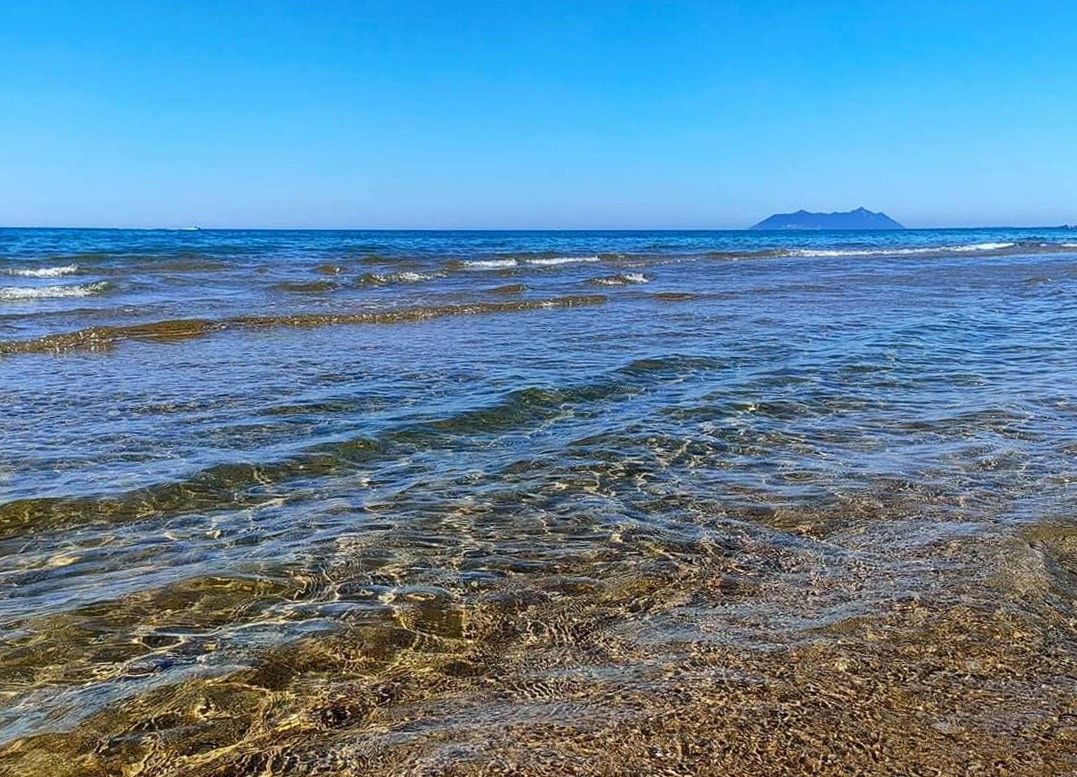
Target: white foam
1069	245
621	280
808	252
22	293
397	277
42	272
983	247
556	260
490	264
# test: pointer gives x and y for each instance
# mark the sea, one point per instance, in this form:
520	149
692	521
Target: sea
538	502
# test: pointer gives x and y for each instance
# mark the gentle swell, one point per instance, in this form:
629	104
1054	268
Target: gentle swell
104	337
238	485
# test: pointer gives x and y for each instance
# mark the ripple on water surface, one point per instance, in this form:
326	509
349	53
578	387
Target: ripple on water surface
399	503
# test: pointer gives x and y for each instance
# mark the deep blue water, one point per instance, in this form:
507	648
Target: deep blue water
220	444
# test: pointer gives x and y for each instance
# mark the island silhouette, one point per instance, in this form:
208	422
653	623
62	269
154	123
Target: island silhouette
861	218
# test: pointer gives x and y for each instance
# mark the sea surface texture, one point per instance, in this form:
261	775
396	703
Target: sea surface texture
462	503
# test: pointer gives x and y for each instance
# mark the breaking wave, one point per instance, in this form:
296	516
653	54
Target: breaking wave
42	272
553	261
621	280
489	264
970	248
22	293
378	279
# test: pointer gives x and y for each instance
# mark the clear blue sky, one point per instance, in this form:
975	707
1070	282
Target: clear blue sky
530	114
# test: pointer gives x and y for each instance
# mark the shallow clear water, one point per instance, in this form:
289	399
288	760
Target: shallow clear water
396	502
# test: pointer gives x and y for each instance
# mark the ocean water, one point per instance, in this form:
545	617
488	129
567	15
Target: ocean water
538	502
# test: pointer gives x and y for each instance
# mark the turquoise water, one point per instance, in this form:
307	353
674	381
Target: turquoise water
251	480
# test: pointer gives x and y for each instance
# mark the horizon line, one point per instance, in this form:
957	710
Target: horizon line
517	229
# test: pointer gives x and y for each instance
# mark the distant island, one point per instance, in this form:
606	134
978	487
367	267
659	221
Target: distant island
861	218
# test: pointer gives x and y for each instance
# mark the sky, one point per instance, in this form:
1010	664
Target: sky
557	115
